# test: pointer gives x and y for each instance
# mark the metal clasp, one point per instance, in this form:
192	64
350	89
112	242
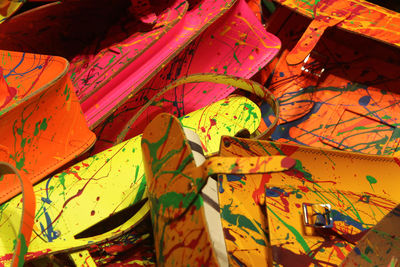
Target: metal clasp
314	65
317	215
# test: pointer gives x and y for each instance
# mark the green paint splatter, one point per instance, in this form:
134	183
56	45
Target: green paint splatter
136	173
157	164
225	69
111	60
19	131
371	181
260	242
19	164
61	178
23	142
73	75
140	191
237	219
23	250
67	92
252	111
298	236
236	58
36	128
306	175
175	200
43	125
365	257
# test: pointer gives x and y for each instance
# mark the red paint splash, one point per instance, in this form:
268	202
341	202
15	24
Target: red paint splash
7	93
260	190
397	161
288	163
288	150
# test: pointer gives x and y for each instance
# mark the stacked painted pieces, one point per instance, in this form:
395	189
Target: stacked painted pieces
236	44
217	189
276	205
83	190
337	82
42	128
121	61
286	204
344	95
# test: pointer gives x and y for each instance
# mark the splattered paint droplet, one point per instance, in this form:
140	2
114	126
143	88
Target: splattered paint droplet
288	163
371	179
364	101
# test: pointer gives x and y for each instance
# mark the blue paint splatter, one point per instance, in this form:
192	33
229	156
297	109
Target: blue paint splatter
234	178
364	101
49	232
221	189
337	216
273	192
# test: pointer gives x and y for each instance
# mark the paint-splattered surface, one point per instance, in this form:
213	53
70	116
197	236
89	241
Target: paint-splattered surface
23	75
359	192
82	191
198	17
380	246
42	126
178	215
352	213
236	45
353	106
99	49
121	47
174	183
135	248
90	72
358	16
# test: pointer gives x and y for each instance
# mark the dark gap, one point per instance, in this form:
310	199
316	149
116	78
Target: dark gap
112	222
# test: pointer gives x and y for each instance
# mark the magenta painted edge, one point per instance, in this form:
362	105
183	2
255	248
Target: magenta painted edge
110	96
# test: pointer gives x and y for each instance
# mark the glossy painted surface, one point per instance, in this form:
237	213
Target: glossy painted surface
135	248
41	122
23	236
173	186
105	101
355	185
358	16
380	246
99	49
353	106
236	45
177	208
90	73
83	190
